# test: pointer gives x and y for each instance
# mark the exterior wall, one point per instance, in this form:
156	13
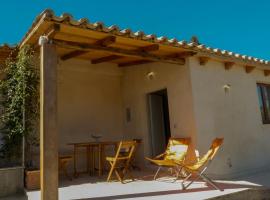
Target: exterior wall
93	99
234	115
136	86
89	101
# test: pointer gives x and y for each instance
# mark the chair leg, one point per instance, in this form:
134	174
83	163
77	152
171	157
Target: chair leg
208	180
198	176
130	174
127	170
178	171
66	172
184	180
155	177
192	181
118	176
63	168
111	171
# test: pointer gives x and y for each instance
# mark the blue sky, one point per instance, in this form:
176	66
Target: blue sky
241	26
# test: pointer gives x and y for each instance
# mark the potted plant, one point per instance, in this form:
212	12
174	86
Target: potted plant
32	172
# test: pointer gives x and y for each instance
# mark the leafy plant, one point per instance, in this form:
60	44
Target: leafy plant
20	103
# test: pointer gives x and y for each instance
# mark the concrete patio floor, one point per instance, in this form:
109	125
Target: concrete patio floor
93	188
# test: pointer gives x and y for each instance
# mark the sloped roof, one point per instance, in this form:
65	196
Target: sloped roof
5	51
201	49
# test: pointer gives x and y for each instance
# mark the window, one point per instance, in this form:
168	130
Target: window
264	101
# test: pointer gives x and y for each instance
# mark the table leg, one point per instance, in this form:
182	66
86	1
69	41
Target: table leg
92	160
88	159
115	148
102	158
99	160
74	162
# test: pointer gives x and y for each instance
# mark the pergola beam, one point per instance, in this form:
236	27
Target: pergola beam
103	42
266	72
117	51
184	54
73	54
249	69
228	65
50	33
136	62
106	41
203	60
152	47
105	59
174	55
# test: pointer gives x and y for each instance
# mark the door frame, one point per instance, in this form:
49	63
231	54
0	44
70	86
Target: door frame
150	122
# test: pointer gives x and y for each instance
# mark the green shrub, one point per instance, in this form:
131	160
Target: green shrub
20	103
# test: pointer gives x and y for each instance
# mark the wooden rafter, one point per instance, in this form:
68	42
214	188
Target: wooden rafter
49	33
181	55
266	72
105	59
184	54
203	60
228	65
249	69
117	51
103	42
136	62
106	41
52	30
152	47
72	54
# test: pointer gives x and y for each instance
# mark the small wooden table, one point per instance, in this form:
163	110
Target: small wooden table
90	149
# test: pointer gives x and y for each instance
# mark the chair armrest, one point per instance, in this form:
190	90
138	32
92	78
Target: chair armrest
160	156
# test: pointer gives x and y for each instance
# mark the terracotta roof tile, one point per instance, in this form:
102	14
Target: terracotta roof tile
99	26
6	46
5	52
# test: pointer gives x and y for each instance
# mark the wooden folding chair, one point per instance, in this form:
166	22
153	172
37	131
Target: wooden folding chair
198	168
63	162
175	152
135	166
120	163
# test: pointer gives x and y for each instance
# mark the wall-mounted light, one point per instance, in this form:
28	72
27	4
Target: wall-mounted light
226	87
150	75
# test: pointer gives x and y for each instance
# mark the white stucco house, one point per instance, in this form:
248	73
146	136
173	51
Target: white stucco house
124	84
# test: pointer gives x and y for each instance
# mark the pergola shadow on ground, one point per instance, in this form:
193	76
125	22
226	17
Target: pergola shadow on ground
144	187
172	192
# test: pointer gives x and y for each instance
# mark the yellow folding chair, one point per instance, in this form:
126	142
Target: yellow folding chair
175	153
198	168
120	163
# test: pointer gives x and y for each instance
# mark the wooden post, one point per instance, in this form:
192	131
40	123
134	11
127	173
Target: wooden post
48	120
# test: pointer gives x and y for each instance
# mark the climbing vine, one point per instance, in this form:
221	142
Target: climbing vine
20	102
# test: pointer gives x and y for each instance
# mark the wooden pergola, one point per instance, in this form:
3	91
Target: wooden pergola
59	40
